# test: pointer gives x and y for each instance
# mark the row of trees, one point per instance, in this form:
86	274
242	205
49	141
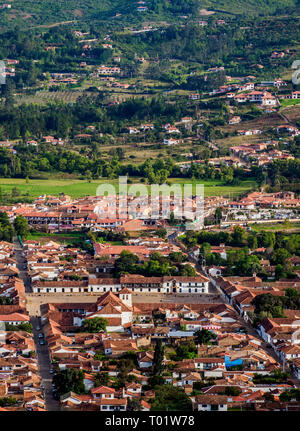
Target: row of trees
156	266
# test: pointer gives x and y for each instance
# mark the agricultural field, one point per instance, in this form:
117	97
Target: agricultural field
289	102
43	97
292	113
79	188
276	227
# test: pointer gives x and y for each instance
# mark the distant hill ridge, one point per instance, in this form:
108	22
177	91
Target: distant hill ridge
28	13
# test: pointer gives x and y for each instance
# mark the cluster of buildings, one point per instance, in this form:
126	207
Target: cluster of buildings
55	268
234	360
19	374
11	286
256	200
20	381
263	98
262	153
282	335
247	92
133	213
108	70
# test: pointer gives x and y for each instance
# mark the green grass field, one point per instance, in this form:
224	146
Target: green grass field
289	102
67	238
283	227
79	188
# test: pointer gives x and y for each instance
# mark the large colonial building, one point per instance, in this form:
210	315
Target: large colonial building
136	283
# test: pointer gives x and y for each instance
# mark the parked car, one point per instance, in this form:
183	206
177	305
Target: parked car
41	335
38	328
42	342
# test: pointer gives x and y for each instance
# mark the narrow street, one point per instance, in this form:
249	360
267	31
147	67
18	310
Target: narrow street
21	265
269	350
264	344
249	327
42	351
44	366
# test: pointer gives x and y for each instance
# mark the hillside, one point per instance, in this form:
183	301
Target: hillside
30	13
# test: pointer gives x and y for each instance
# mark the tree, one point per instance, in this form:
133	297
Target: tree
101	379
126	263
205	250
186	351
280	255
27	326
280	272
171	398
96	324
134	405
6	230
232	391
203	336
218	215
268	396
4	300
156	381
161	233
172	221
238	235
21	226
69	380
158	358
7	401
289	395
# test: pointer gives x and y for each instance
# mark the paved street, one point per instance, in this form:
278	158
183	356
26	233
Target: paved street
44	367
21	265
41	350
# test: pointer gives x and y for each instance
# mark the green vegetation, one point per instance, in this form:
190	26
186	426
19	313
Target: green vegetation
7	401
21	226
159	353
170	398
232	391
21	327
103	14
101	379
283	226
185	351
96	324
268	305
289	102
279	248
6	230
69	380
277	376
4	300
134	405
78	188
293	394
203	336
72	238
156	266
